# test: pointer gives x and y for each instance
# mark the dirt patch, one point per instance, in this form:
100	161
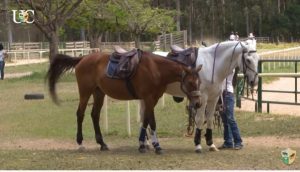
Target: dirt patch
52	144
283	84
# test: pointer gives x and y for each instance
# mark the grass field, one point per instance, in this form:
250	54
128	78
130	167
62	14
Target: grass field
25	126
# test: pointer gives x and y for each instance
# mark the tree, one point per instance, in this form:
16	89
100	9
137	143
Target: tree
49	17
97	17
141	17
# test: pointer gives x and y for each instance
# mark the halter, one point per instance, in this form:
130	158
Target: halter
183	89
246	66
191	110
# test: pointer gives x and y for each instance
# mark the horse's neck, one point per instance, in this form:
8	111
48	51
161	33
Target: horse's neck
225	62
169	71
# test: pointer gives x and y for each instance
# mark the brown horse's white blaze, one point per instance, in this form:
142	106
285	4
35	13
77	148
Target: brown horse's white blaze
152	76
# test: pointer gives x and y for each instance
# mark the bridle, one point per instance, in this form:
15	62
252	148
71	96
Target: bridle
184	90
246	66
191	110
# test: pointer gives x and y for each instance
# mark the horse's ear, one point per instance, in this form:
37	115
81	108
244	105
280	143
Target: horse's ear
198	68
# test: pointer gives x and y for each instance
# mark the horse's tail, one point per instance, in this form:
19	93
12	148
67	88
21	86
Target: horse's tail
59	65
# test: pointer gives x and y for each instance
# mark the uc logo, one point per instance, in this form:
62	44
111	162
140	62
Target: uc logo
23	16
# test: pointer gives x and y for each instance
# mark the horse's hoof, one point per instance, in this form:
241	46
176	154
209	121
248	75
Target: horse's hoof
158	151
142	149
198	151
104	148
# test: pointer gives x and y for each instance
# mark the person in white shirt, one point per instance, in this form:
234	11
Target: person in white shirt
232	37
232	137
251	42
3	55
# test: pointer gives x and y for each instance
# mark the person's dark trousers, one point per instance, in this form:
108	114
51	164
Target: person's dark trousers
2	64
231	131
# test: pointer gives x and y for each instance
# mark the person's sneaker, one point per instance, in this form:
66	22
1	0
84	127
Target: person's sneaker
238	147
225	147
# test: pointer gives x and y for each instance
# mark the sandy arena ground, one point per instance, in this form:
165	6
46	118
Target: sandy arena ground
283	84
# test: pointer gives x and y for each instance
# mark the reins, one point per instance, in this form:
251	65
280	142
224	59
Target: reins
215	55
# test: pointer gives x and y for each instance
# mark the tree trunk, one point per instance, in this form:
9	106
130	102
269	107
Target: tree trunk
137	40
178	15
223	19
8	20
95	40
260	24
82	34
278	6
53	43
190	22
247	19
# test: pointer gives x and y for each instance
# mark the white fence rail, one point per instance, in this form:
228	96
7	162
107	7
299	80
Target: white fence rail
16	55
285	54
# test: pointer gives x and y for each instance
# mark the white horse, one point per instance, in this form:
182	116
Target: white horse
218	62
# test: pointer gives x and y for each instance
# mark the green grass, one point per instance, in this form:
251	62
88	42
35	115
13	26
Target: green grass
269	46
41	119
27	68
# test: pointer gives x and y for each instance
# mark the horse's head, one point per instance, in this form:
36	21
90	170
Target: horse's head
248	64
190	85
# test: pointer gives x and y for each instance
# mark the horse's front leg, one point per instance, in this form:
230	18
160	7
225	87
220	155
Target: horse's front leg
199	120
153	134
142	115
210	110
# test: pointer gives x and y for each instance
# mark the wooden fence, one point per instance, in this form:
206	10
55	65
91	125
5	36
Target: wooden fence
166	40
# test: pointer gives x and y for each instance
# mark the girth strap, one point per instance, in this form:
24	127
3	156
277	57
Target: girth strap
130	88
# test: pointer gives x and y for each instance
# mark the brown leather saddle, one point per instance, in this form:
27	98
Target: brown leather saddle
122	64
187	56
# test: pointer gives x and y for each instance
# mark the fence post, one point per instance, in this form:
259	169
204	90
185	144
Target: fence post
259	88
184	38
138	111
171	39
296	82
105	115
128	119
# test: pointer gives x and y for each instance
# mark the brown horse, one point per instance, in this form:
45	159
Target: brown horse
149	82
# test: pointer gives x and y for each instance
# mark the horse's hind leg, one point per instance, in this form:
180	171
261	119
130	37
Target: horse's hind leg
98	102
149	118
80	116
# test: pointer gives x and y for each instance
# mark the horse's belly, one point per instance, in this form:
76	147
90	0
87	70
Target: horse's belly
175	90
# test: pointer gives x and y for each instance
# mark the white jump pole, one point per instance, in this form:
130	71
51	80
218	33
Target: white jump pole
138	107
128	119
105	115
